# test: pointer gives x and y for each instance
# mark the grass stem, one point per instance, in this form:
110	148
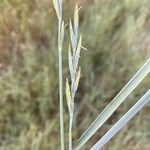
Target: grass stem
58	9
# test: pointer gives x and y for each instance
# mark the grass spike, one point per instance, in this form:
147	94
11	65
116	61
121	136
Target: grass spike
75	74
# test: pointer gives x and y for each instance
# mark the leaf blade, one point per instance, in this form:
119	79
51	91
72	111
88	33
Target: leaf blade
114	104
123	121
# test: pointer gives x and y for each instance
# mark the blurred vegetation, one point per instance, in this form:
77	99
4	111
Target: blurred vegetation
117	36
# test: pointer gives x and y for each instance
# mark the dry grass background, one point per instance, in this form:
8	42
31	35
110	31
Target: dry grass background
116	34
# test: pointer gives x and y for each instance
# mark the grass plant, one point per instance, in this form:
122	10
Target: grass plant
117	36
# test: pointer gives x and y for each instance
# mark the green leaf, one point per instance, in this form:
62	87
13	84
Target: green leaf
123	121
114	104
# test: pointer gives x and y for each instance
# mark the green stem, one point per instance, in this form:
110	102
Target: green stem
60	85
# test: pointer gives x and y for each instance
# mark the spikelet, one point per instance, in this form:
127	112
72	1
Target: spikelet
77	54
76	21
71	68
58	7
68	95
77	80
73	38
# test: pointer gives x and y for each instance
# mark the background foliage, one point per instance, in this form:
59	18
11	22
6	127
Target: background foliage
117	36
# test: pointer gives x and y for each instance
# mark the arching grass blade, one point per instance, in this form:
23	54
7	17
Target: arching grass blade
114	104
123	121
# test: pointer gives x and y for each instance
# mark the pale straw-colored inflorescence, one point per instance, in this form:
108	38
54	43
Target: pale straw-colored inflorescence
75	71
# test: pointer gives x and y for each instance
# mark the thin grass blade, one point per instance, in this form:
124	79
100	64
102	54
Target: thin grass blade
123	121
114	104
